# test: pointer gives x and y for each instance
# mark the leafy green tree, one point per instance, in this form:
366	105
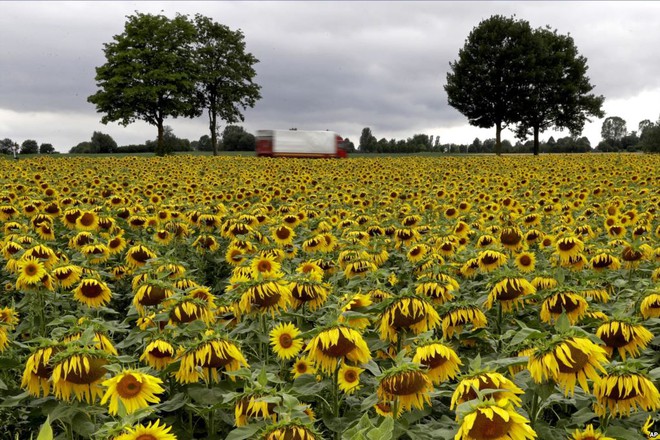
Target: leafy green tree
103	143
650	139
613	129
46	149
367	141
203	144
488	79
557	88
643	125
30	146
150	73
6	145
235	138
348	145
225	76
171	142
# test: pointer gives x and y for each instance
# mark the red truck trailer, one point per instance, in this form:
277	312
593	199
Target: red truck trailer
299	143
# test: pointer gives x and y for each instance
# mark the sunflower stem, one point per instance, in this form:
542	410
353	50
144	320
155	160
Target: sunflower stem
499	326
335	398
211	421
533	413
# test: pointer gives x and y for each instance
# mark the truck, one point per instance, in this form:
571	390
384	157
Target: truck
299	143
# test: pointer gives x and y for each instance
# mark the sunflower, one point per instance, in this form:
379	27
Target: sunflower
163	237
268	296
589	433
283	235
10	249
67	276
567	361
284	340
493	420
302	366
38	370
509	292
134	389
574	305
408	386
622	392
470	268
79	371
437	292
158	354
30	273
502	388
152	431
86	221
650	306
116	244
150	293
188	309
96	253
359	268
92	292
266	268
525	262
490	260
349	378
407	313
458	316
334	343
568	247
624	337
511	238
311	270
138	255
310	292
235	256
205	357
604	261
417	252
293	430
253	406
441	361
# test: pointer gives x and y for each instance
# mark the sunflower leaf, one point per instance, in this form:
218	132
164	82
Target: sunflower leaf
46	432
244	432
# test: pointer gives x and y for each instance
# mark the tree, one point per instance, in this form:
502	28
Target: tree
650	140
235	138
613	129
103	143
643	125
204	143
29	146
46	149
225	85
149	74
171	143
487	80
557	88
348	145
6	145
367	141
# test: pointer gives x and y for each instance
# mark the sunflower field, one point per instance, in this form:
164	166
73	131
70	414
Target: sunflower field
192	297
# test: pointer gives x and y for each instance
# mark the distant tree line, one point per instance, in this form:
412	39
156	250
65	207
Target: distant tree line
29	146
616	137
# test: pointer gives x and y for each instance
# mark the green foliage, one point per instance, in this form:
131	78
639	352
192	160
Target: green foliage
46	149
613	128
149	74
235	138
650	139
29	146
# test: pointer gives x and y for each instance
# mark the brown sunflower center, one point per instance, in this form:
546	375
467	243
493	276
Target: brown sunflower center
621	393
579	360
630	254
301	367
264	266
153	296
564	303
91	290
485	428
617	339
510	291
350	376
340	349
95	372
87	219
286	341
489	259
510	237
140	255
525	260
30	269
435	361
404	384
283	233
146	437
158	353
194	314
128	386
566	245
215	361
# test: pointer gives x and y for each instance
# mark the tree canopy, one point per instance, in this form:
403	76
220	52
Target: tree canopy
508	73
149	74
613	128
225	75
29	146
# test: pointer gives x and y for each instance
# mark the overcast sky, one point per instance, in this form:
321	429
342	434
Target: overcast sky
340	66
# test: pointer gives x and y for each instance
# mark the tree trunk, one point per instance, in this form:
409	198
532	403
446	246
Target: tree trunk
498	138
160	148
536	140
213	124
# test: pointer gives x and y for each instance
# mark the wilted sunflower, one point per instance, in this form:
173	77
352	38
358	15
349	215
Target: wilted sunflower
626	338
312	270
574	305
290	430
311	292
511	238
458	315
589	433
354	304
622	392
604	261
79	371
205	357
413	313
334	343
544	283
493	420
67	276
152	431
568	361
650	306
303	366
568	247
502	388
407	385
185	310
158	354
359	268
134	389
438	292
490	260
92	292
268	296
284	340
349	378
441	361
150	293
96	253
253	406
509	292
38	370
138	255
